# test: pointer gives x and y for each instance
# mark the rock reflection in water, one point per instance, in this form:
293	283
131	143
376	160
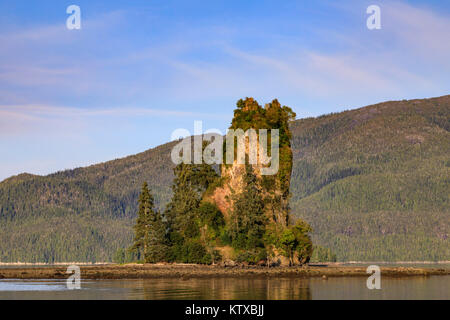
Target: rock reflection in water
433	287
222	288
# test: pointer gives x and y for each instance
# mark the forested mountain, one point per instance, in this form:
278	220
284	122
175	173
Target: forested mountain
84	214
373	183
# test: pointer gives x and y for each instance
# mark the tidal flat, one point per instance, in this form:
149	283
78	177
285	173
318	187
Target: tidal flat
188	271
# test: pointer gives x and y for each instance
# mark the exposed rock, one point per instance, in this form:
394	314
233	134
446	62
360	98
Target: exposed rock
229	263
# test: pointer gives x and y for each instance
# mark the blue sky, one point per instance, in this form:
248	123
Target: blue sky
138	70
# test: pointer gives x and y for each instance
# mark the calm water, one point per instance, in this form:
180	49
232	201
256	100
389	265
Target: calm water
434	287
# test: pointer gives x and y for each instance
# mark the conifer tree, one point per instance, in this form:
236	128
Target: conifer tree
180	211
157	239
248	219
141	227
190	183
150	231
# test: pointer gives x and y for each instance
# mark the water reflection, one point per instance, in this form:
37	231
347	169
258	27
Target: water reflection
222	289
434	287
32	285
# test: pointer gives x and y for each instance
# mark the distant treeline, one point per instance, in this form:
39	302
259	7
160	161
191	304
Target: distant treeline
373	183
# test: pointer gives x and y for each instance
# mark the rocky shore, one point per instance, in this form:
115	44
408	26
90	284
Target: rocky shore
186	271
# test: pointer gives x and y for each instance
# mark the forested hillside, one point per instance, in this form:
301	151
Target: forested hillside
84	214
373	183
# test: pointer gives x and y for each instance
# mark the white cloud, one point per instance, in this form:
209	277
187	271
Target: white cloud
347	66
23	119
410	52
420	29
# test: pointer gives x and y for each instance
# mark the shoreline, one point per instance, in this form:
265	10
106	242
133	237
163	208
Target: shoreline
188	271
339	263
314	263
20	264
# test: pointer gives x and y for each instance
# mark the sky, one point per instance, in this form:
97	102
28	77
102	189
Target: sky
138	70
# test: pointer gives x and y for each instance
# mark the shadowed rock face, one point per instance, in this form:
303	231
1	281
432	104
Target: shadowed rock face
275	188
250	117
276	207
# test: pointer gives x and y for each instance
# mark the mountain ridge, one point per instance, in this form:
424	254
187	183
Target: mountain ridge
355	179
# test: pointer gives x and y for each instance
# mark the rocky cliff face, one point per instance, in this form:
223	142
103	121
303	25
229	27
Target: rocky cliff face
233	184
275	188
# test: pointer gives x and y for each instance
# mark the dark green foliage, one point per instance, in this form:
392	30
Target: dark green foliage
64	238
210	215
150	241
303	245
119	256
187	217
125	256
252	256
250	115
321	254
80	215
296	242
372	182
225	238
194	252
189	251
248	219
142	227
190	182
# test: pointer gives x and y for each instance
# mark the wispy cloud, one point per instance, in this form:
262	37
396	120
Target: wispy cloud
420	29
148	73
21	119
203	64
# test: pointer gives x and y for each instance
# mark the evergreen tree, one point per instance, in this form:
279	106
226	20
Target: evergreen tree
142	225
157	239
304	247
295	241
248	218
182	213
181	210
150	231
